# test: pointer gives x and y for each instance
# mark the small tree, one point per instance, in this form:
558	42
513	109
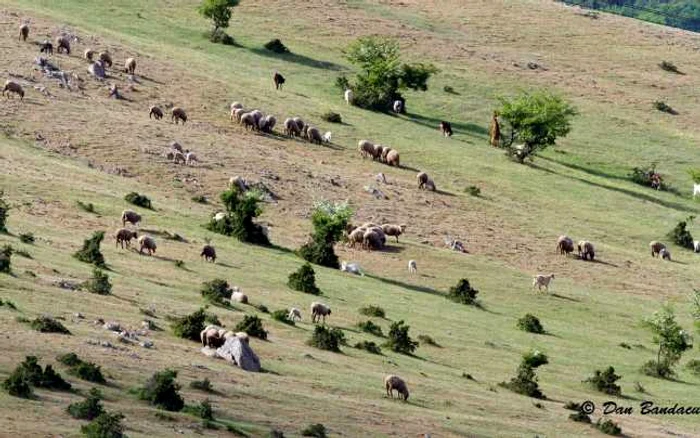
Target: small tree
304	280
190	326
161	390
99	283
325	338
530	323
604	381
463	293
329	221
139	200
90	253
680	234
241	210
525	381
399	340
89	408
106	425
536	120
216	291
252	325
4	208
218	11
672	340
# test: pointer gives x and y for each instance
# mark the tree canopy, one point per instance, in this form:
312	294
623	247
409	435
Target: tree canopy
218	11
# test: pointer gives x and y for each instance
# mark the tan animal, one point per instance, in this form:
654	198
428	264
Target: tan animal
366	148
13	87
393	159
130	66
124	235
495	131
211	338
24	32
177	115
394	230
542	281
395	383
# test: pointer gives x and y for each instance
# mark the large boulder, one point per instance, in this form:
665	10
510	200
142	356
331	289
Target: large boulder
237	351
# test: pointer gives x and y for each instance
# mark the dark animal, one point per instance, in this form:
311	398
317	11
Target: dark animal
279	80
446	128
24	32
46	47
209	253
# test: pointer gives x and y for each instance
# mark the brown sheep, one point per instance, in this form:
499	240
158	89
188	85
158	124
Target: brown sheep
13	87
656	248
385	153
155	112
209	253
393	159
565	245
130	66
366	148
290	128
586	250
106	58
422	178
314	135
46	47
394	230
147	242
278	80
124	236
374	239
89	54
392	383
24	32
62	43
378	149
130	216
495	131
211	338
178	114
446	128
248	121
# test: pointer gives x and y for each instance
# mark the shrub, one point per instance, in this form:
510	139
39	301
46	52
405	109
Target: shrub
449	89
694	175
375	311
332	117
657	369
27	238
218	11
241	210
369	346
52	380
179	264
474	191
608	427
6	259
17	386
89	371
399	340
694	366
202	385
463	293
98	284
680	235
663	107
330	221
572	406
9	304
69	359
89	207
211	318
106	425
87	409
276	46
138	200
639	388
252	325
530	323
672	340
90	253
200	199
342	82
22	253
262	308
203	410
427	340
325	338
648	177
219	36
370	327
216	291
315	430
535	359
4	208
189	326
304	280
46	324
525	382
161	390
604	381
580	417
282	316
669	67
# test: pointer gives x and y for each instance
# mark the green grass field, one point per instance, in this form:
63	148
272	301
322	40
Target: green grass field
55	152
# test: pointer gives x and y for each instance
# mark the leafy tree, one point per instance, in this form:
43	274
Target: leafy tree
304	280
106	425
218	11
89	408
536	120
605	381
90	252
399	340
190	326
463	293
242	209
680	234
329	221
672	340
161	390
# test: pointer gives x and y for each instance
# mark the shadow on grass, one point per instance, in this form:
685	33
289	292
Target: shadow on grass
413	287
297	59
562	297
432	122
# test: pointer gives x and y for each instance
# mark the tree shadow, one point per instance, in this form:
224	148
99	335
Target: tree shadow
432	122
413	287
297	59
562	297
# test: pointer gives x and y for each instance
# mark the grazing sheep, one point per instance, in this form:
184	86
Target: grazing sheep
318	311
148	243
356	236
352	268
176	146
209	253
238	114
422	178
290	128
219	216
88	54
374	238
542	281
130	216
565	245
179	157
294	314
430	185
385	153
267	124
696	245
665	254
586	251
239	297
211	337
46	47
366	148
124	235
394	230
393	159
155	112
130	66
248	121
97	69
236	105
106	58
279	80
412	267
13	87
24	32
656	247
314	135
391	383
300	123
62	44
446	128
398	106
495	131
327	137
349	97
378	151
178	114
257	115
190	159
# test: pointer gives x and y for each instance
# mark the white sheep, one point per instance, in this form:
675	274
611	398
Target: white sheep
190	159
219	216
542	281
349	96
294	314
696	190
412	267
239	297
236	105
696	245
327	137
352	268
398	106
318	311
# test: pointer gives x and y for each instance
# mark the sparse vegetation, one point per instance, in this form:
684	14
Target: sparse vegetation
463	293
604	381
580	417
189	326
138	200
282	315
474	191
106	425
332	117
202	385
27	238
4	212
241	210
47	324
216	291
669	67
329	221
90	252
89	408
370	327
6	259
29	374
680	234
399	340
694	367
375	311
326	338
276	46
608	427
87	207
530	323
427	340
315	430
662	106
82	369
304	280
672	340
200	199
161	390
98	284
369	346
202	410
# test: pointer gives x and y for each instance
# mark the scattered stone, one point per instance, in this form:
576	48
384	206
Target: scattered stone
146	344
112	326
236	351
78	315
67	284
378	194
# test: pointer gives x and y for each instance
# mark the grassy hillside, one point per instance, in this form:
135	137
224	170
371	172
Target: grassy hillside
80	145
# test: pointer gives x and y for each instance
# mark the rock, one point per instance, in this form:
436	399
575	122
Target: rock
210	352
112	326
79	315
146	344
66	284
237	351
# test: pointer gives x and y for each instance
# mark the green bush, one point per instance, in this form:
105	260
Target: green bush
252	325
572	406
535	359
18	386
657	369
211	318
89	207
90	252
525	382
370	327
604	381
241	210
29	373
27	238
474	191
6	259
276	46
304	280
106	425
332	117
399	340
369	346
98	284
325	338
647	177
4	209
329	221
52	380
672	339
282	316
138	200
46	324
530	323
161	390
219	36
449	89
694	367
375	311
216	291
202	410
342	82
9	304
580	417
89	408
663	107
189	326
262	308
680	235
669	67
69	359
608	427
463	293
315	430
89	371
202	385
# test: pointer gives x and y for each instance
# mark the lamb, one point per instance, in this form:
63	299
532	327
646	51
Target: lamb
248	121
349	97
211	337
422	178
430	185
24	32
130	66
239	297
366	148
106	58
412	267
88	54
393	159
565	245
294	313
190	159
327	137
391	383
290	128
62	44
656	247
130	216
155	112
542	281
178	114
209	253
124	235
393	230
398	106
352	268
46	47
314	135
665	254
236	105
446	128
13	87
179	157
238	114
279	80
147	242
318	311
696	245
586	250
